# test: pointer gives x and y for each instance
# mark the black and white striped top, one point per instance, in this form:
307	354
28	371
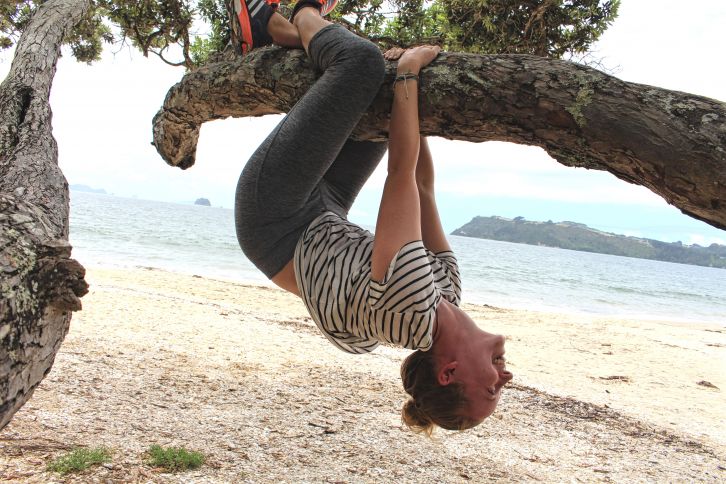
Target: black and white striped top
333	273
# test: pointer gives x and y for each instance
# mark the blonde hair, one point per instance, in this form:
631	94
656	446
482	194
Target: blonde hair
431	404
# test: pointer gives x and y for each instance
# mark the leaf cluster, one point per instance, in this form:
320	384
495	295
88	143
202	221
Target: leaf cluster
548	28
14	16
86	39
153	26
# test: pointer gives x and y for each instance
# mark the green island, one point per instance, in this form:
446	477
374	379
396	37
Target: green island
577	236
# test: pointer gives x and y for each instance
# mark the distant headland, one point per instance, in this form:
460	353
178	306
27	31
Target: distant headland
86	188
576	236
203	201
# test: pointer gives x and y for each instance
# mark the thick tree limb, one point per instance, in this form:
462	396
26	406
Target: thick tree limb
670	142
40	284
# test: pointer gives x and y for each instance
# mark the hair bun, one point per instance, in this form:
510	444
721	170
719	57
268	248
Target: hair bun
414	417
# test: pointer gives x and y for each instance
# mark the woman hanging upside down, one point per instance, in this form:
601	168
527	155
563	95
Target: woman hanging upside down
401	286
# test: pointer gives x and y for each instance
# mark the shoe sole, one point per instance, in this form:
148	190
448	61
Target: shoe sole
328	7
243	16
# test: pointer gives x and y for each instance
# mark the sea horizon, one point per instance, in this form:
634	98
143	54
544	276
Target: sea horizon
114	231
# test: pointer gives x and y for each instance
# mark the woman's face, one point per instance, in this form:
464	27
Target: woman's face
482	370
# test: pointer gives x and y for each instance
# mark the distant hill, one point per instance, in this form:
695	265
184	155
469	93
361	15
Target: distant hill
576	236
86	188
203	201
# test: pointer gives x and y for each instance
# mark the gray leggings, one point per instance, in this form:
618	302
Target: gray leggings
307	165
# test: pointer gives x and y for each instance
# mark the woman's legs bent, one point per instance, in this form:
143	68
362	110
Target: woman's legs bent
279	192
349	172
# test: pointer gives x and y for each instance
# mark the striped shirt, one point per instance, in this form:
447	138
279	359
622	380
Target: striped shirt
356	313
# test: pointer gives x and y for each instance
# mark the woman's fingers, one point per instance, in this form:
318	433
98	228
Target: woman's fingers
424	54
393	53
419	57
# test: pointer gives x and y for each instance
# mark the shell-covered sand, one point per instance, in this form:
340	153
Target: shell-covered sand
240	373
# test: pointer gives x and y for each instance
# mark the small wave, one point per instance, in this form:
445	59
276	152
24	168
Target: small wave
629	290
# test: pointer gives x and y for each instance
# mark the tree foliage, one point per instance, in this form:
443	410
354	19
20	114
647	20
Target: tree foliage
86	40
187	32
547	28
153	26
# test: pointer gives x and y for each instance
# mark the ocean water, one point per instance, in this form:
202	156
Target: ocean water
123	232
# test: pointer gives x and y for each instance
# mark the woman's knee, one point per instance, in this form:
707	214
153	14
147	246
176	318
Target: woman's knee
369	64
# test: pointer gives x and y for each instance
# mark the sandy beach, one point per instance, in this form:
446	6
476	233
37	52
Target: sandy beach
241	373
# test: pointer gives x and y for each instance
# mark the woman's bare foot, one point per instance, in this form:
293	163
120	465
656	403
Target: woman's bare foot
308	22
416	58
283	33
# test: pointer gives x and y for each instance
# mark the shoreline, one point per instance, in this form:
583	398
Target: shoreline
525	306
241	372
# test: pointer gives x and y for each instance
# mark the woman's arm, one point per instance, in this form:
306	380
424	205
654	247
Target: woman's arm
399	216
434	237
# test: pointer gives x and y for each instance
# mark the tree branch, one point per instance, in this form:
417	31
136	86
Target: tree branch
670	142
161	56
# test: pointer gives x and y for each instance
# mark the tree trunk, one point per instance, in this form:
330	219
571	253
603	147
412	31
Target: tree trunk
670	142
40	284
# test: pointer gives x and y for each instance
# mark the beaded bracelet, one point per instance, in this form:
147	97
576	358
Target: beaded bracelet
405	77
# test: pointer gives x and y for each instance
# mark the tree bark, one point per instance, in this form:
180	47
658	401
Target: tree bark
40	284
670	142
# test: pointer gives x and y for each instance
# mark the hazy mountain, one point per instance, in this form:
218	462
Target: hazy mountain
576	236
86	188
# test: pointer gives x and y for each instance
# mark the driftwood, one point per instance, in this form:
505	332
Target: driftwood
40	284
670	142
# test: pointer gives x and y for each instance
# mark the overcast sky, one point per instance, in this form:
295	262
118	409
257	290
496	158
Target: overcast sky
102	120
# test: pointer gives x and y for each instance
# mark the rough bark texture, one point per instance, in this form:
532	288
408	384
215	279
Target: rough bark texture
40	284
670	142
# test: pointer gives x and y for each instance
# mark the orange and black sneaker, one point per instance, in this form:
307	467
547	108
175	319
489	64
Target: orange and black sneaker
324	6
249	23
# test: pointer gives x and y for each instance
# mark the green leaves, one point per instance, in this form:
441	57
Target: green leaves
174	459
154	26
79	460
187	32
548	28
14	16
86	39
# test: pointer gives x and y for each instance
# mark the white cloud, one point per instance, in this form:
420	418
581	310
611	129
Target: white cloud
518	185
704	241
669	44
510	170
356	213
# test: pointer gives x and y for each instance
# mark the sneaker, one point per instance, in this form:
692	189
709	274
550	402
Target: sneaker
324	6
249	24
